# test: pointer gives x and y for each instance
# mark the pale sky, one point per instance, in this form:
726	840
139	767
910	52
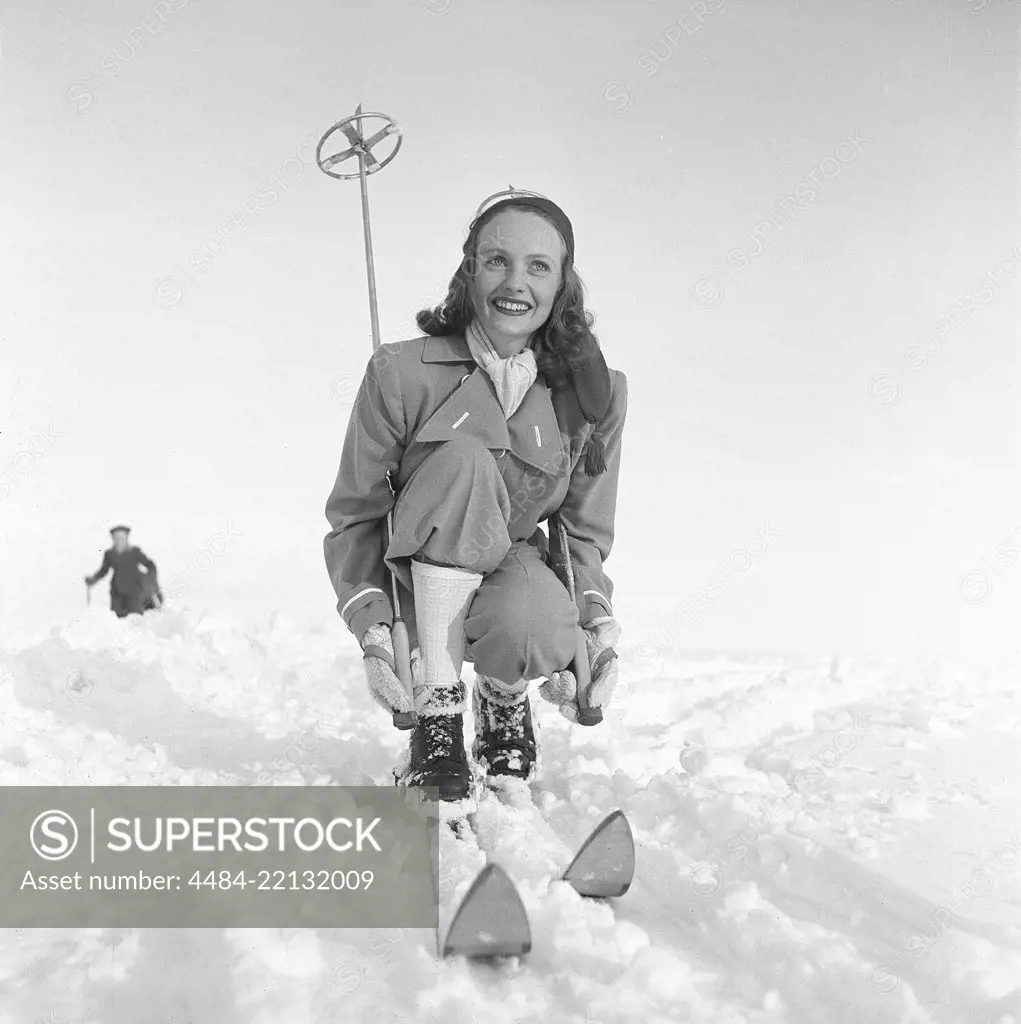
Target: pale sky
774	373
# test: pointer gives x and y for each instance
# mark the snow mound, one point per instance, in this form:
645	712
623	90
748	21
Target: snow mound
817	840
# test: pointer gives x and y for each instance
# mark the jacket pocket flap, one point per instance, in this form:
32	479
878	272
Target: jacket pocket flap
535	435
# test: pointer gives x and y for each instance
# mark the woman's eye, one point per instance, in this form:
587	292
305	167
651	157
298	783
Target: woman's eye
542	265
494	261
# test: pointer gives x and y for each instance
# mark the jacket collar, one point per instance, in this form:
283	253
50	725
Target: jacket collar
447	349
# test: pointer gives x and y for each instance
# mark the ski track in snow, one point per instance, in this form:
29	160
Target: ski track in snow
816	841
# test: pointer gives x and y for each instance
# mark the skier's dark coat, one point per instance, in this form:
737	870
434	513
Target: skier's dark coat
418	393
134	583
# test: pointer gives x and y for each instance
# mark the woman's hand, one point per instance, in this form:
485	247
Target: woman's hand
561	689
385	687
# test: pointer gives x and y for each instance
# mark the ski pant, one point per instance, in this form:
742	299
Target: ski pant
455	510
137	603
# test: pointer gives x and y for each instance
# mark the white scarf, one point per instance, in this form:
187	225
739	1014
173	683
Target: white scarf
512	376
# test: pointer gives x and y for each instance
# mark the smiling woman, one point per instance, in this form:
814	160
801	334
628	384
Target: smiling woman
501	417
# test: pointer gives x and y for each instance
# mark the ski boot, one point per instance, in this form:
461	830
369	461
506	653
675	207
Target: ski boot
504	735
436	755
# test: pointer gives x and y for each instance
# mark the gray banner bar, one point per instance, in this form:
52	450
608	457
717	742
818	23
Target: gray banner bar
218	857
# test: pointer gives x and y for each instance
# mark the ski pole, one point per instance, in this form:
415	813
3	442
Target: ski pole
361	147
587	715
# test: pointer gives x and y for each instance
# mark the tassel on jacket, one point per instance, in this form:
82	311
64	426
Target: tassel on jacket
595	456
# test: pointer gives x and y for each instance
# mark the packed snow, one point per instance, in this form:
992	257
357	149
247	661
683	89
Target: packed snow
816	841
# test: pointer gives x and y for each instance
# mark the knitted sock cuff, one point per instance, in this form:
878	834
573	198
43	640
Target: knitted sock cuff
444	576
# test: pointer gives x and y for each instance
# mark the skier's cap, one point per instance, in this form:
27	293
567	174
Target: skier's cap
515	196
119	529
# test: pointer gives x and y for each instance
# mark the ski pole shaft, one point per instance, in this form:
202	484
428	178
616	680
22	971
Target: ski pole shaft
370	264
402	660
587	715
403	720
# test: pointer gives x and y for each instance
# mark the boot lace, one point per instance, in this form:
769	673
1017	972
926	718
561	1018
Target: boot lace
440	734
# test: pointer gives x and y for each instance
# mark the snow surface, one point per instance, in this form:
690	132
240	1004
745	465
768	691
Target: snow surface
816	841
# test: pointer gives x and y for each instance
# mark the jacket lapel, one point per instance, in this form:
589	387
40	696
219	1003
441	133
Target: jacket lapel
471	411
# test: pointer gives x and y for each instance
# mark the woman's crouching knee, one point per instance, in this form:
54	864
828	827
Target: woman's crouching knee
517	636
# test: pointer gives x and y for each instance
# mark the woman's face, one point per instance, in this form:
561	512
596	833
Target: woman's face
518	269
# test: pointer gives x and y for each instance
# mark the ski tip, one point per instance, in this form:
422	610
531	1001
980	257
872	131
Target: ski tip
604	867
617	816
491	921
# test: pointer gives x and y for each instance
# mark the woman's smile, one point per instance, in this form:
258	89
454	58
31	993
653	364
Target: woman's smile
511	307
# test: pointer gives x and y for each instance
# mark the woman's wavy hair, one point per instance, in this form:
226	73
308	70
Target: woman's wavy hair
558	345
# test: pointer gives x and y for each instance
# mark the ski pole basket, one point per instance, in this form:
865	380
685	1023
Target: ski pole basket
353	130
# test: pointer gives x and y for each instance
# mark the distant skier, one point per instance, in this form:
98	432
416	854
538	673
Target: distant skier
503	415
134	588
